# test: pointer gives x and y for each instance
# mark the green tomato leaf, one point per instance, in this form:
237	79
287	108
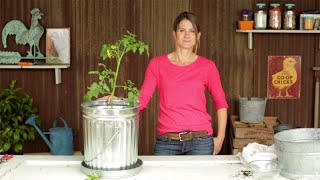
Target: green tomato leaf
106	88
141	49
134	49
93	72
93	176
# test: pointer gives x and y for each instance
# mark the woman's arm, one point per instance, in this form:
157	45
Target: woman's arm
217	93
149	84
222	123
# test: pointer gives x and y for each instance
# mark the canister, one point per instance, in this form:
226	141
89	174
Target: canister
308	23
289	20
275	16
260	16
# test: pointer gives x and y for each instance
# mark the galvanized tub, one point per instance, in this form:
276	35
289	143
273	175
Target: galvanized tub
110	139
283	127
252	109
298	152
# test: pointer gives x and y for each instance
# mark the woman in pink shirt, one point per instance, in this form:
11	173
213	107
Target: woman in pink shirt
181	77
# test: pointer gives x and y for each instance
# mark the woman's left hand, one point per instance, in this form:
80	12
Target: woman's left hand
217	144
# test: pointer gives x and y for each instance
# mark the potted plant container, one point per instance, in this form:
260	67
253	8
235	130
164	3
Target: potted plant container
111	128
246	22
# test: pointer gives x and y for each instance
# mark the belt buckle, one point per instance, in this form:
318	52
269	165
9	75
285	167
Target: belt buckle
182	133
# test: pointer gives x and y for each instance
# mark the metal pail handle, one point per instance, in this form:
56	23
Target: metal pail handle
113	136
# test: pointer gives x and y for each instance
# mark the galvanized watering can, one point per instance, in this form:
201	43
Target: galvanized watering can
61	137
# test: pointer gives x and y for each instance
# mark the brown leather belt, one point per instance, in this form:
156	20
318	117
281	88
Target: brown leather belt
185	135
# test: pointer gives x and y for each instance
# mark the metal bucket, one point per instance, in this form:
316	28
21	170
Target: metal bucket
110	139
252	109
298	152
283	127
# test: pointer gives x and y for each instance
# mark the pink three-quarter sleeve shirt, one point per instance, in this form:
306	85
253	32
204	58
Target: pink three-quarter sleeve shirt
182	93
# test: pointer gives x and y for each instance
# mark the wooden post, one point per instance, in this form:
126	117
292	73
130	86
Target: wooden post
316	104
316	99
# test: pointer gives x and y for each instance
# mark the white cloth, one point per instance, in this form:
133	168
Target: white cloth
255	151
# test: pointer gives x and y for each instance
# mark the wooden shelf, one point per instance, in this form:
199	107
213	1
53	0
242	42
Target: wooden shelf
274	31
57	68
277	31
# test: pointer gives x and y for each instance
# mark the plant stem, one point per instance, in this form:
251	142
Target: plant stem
119	58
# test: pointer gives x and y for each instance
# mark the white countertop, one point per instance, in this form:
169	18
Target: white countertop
154	167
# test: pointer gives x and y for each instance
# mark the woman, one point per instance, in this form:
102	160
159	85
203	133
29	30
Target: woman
184	126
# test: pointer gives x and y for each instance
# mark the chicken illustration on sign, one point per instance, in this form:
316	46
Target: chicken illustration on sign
284	77
58	45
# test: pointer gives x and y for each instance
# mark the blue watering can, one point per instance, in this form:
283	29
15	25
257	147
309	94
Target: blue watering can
61	137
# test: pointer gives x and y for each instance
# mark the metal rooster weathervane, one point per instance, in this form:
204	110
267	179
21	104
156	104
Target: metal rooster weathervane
23	36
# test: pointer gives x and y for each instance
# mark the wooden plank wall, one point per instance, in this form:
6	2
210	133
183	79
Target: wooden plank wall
300	111
93	22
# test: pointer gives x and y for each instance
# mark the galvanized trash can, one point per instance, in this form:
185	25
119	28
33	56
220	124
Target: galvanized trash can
298	152
110	139
252	109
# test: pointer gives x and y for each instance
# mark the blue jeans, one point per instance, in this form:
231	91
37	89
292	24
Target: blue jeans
198	146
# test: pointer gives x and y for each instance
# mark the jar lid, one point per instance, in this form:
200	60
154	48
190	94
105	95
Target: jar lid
274	4
289	4
308	16
260	4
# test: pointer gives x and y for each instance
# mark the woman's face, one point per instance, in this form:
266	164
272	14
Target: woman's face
185	35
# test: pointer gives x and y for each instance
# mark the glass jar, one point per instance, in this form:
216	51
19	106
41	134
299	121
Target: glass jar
260	16
289	20
308	22
245	17
275	16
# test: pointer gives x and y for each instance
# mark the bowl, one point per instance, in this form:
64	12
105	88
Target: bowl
265	169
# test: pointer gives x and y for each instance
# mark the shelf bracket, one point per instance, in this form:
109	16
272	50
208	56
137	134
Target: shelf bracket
250	40
57	72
